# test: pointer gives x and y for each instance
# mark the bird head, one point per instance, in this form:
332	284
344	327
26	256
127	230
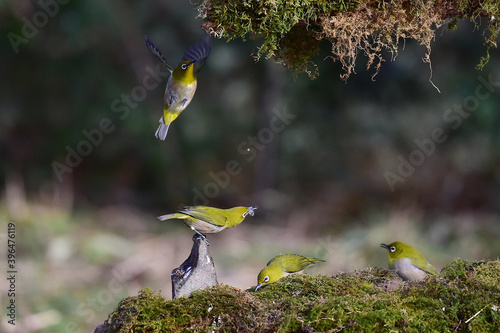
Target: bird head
269	274
184	73
239	213
400	250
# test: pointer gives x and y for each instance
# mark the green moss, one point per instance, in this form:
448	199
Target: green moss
465	298
290	31
286	28
489	9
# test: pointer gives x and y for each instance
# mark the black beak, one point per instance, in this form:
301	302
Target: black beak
385	246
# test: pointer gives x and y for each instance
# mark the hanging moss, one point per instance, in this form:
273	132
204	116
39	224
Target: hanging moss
465	298
290	31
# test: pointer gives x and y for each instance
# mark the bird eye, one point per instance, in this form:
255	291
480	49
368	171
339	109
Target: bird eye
393	249
266	279
184	66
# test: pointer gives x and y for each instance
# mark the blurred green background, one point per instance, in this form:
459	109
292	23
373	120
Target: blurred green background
86	231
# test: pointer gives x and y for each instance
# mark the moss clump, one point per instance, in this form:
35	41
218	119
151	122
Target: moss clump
150	312
465	298
291	30
287	29
304	38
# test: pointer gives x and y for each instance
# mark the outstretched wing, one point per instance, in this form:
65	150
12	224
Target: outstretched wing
156	52
198	53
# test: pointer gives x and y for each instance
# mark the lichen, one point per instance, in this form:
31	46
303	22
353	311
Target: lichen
466	297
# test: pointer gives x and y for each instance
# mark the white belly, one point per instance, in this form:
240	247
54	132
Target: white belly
408	271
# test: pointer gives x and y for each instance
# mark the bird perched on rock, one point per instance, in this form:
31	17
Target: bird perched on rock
209	220
181	84
407	262
281	264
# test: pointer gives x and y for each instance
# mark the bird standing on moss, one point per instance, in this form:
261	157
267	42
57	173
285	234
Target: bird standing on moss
407	262
210	220
181	85
281	264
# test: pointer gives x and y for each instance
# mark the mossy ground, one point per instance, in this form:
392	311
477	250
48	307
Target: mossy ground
465	298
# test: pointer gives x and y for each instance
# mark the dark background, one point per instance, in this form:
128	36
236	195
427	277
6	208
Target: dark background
87	234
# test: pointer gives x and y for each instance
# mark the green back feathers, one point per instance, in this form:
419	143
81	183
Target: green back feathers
292	263
430	269
207	214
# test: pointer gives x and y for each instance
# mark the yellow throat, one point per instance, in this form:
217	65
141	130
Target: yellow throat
184	73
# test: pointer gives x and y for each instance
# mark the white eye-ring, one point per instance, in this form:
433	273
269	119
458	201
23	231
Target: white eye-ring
266	278
393	249
184	66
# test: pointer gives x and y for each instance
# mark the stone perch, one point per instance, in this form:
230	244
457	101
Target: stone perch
196	272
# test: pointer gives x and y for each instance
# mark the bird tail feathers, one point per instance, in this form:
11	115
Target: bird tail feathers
170	216
161	132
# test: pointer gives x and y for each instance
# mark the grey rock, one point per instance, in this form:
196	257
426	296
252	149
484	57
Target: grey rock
196	272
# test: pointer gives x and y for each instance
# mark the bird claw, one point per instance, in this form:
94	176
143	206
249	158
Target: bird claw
198	236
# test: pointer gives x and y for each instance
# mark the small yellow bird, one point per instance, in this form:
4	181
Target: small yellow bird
181	84
210	220
407	262
281	264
